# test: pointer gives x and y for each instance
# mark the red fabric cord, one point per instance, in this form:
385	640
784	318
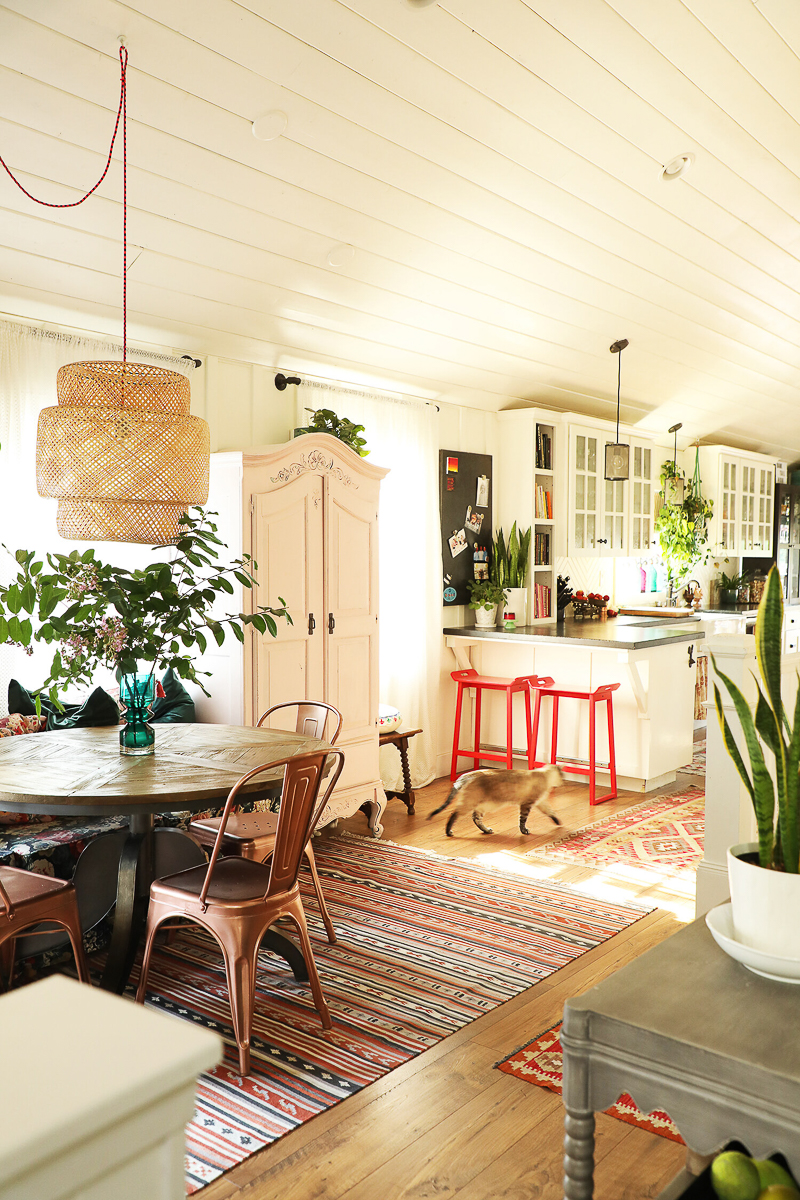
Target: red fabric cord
122	112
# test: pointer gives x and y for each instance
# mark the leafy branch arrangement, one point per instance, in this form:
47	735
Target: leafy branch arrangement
778	844
510	560
99	614
683	528
325	420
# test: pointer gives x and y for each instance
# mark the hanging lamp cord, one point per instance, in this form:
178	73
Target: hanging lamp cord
122	114
619	381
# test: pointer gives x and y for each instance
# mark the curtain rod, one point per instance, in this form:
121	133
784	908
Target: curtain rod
100	338
281	382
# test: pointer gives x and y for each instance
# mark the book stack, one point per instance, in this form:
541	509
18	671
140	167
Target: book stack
541	601
544	450
544	504
541	550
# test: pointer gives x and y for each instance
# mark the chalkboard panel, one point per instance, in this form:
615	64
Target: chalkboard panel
465	522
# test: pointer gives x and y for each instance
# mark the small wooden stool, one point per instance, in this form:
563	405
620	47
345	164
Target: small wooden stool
399	738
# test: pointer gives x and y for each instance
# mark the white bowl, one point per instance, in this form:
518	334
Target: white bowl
388	718
771	966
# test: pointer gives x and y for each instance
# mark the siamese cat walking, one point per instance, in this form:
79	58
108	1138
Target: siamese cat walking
484	790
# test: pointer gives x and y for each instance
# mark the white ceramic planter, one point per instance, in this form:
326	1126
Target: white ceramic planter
517	603
485	617
766	905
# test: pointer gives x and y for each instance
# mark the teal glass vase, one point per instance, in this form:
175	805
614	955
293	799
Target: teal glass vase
137	693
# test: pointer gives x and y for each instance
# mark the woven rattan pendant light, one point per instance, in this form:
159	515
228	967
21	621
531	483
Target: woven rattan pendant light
120	452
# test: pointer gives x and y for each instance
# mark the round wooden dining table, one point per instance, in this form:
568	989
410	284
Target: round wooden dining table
81	773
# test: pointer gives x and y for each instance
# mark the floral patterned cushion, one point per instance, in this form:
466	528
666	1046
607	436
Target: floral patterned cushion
16	724
11	727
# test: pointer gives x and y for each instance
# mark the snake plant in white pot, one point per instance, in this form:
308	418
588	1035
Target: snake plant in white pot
510	570
764	876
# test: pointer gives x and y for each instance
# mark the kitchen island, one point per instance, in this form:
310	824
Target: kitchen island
652	659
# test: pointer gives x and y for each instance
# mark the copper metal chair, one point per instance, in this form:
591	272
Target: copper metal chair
252	835
27	899
237	899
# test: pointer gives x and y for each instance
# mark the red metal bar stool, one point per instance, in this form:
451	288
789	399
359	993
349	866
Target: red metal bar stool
604	693
493	683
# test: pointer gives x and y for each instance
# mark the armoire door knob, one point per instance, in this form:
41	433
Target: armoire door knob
312	624
331	623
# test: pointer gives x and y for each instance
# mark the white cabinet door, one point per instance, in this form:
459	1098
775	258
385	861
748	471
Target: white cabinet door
615	512
585	498
351	630
641	539
747	507
287	545
766	492
729	477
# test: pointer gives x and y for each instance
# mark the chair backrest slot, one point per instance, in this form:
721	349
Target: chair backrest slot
310	718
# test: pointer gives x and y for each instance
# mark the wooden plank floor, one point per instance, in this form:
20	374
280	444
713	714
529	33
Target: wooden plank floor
446	1124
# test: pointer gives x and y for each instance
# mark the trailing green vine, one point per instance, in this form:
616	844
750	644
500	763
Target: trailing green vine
683	528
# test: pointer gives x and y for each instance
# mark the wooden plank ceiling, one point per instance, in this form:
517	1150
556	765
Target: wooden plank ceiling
467	199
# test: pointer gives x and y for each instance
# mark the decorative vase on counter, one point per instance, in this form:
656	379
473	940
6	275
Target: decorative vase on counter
137	692
517	603
485	617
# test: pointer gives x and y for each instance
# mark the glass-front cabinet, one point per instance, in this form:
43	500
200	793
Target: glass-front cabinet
742	488
642	539
598	507
728	504
585	491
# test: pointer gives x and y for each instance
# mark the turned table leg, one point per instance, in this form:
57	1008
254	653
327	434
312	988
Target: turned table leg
407	795
578	1155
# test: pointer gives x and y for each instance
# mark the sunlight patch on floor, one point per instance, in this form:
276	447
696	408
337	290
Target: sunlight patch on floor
622	884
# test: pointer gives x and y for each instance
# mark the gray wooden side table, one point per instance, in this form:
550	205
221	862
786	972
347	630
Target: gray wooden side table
688	1030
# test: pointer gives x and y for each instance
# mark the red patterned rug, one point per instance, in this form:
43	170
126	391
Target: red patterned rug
426	944
540	1062
664	835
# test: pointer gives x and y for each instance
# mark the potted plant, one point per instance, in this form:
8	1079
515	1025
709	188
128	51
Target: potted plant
510	570
484	597
160	617
682	528
729	586
325	420
764	876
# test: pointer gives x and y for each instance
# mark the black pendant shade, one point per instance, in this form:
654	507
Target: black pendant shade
617	464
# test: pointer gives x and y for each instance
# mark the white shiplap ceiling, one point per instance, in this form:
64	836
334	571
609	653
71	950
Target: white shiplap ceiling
495	166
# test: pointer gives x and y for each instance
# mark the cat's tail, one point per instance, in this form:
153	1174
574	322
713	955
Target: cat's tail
453	794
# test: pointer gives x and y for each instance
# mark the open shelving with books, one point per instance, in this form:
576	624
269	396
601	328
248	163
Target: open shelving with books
528	494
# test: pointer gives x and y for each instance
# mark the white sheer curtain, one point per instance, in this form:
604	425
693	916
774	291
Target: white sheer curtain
402	434
29	361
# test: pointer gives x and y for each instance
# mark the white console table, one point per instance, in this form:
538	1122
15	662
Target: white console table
96	1094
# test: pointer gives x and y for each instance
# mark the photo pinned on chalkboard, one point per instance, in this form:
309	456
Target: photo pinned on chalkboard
482	498
474	520
457	542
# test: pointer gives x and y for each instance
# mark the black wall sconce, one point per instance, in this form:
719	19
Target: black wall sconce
618	453
281	381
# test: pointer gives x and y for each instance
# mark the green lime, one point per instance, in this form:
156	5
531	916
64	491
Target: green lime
771	1174
777	1191
734	1177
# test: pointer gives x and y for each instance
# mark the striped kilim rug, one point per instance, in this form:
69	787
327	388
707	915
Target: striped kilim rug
665	834
540	1062
426	945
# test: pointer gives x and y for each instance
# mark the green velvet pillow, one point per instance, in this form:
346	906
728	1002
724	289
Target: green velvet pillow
175	705
98	709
